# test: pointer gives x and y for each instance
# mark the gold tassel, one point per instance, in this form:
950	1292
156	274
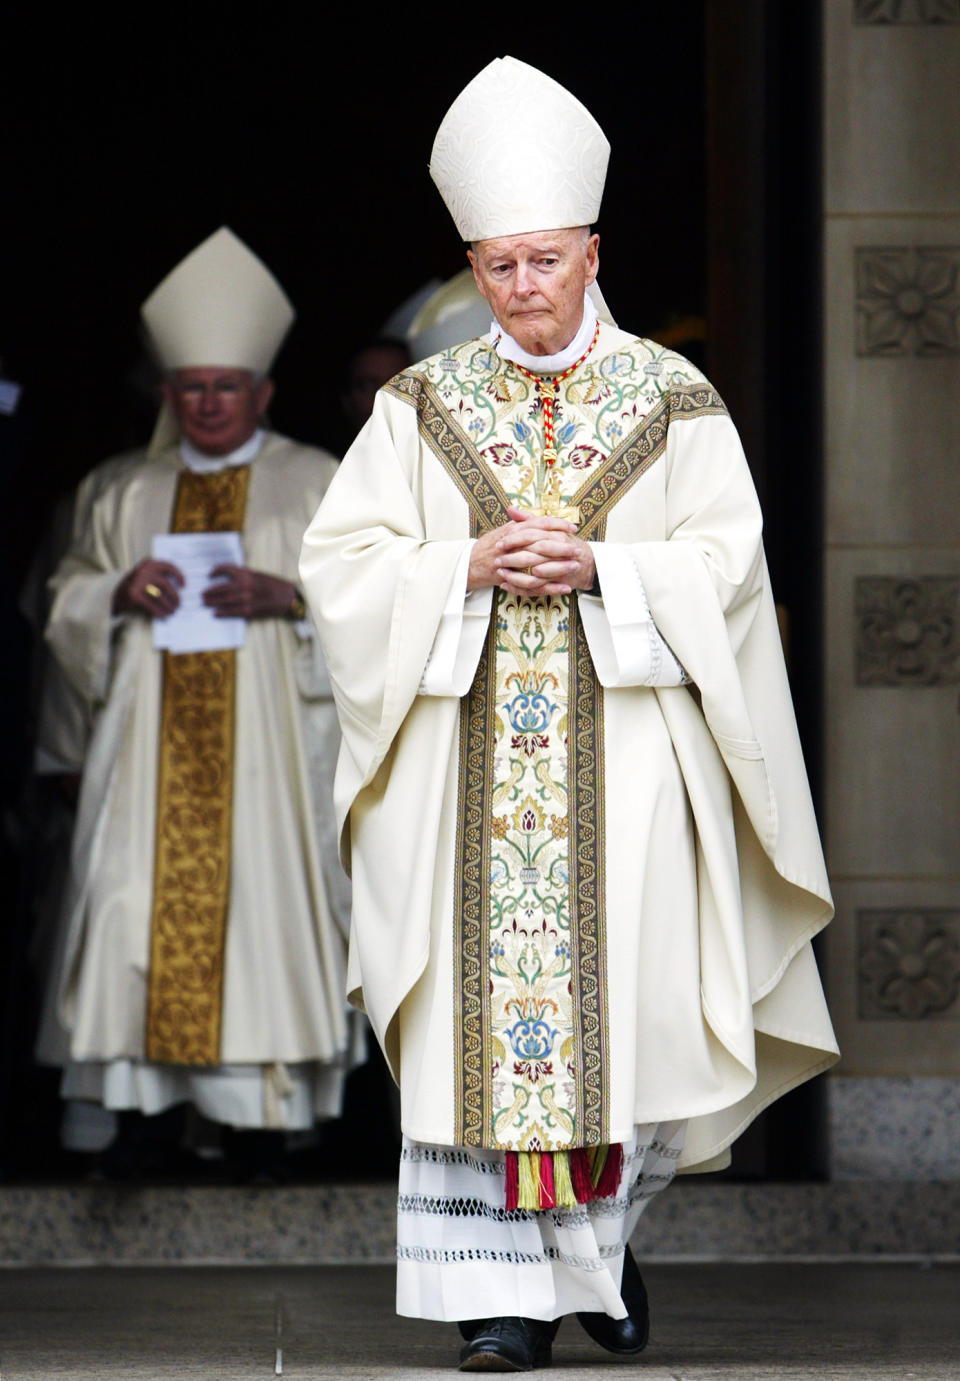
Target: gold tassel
529	1179
562	1183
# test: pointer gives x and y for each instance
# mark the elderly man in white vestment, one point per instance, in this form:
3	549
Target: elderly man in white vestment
203	946
585	865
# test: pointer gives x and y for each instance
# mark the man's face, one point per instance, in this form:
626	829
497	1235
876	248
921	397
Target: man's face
535	284
217	409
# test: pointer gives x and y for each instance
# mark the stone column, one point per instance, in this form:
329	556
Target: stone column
892	581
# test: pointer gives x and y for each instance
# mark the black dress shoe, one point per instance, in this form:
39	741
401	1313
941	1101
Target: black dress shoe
623	1335
507	1344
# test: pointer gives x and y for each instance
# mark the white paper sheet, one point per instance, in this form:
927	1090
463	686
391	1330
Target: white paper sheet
193	627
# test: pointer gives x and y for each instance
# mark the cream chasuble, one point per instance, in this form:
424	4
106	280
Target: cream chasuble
531	953
277	950
577	908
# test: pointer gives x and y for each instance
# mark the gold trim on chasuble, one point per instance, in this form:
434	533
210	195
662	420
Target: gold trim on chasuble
191	887
479	1055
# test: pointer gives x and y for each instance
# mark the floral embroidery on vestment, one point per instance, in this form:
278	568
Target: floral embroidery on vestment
530	949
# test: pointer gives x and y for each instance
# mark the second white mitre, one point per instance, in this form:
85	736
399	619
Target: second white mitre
220	307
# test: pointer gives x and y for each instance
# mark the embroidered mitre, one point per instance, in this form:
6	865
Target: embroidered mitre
516	153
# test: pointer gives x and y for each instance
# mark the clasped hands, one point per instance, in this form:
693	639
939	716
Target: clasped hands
153	588
532	555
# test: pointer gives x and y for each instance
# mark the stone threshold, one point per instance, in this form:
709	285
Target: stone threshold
111	1224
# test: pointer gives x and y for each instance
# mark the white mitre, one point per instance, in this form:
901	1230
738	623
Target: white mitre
516	153
221	307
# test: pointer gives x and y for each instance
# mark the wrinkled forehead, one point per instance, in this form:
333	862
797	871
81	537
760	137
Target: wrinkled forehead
564	239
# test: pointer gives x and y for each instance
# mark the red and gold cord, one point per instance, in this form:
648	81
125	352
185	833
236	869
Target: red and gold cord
547	389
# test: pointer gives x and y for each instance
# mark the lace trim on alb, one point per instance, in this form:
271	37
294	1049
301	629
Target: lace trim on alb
515	1258
417	1152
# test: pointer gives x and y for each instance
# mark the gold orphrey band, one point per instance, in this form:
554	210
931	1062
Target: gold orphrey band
191	888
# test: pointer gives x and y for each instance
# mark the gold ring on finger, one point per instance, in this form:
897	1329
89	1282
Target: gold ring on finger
153	591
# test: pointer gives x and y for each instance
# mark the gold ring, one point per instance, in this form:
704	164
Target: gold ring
153	591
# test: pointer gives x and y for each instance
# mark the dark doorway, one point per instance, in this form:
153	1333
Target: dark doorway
763	73
131	140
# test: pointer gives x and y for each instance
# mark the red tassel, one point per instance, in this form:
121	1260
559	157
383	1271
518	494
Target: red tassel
583	1160
548	1197
580	1175
611	1174
513	1181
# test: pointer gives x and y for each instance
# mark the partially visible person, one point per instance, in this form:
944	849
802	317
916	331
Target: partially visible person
64	720
454	311
368	369
203	946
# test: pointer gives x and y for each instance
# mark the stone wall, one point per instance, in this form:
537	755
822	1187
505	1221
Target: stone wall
892	581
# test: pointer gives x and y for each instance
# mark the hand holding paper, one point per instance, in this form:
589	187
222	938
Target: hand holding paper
240	592
151	588
194	625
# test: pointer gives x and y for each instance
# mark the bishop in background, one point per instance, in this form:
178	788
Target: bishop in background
202	953
586	869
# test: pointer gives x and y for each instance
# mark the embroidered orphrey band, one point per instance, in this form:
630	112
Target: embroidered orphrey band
472	891
588	940
486	498
191	889
487	503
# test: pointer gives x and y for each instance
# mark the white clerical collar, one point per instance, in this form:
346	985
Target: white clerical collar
204	464
508	349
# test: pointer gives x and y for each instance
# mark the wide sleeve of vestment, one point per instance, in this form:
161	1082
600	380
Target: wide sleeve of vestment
81	627
709	594
377	588
65	711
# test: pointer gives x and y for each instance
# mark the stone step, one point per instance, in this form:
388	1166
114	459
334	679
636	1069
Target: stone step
99	1223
